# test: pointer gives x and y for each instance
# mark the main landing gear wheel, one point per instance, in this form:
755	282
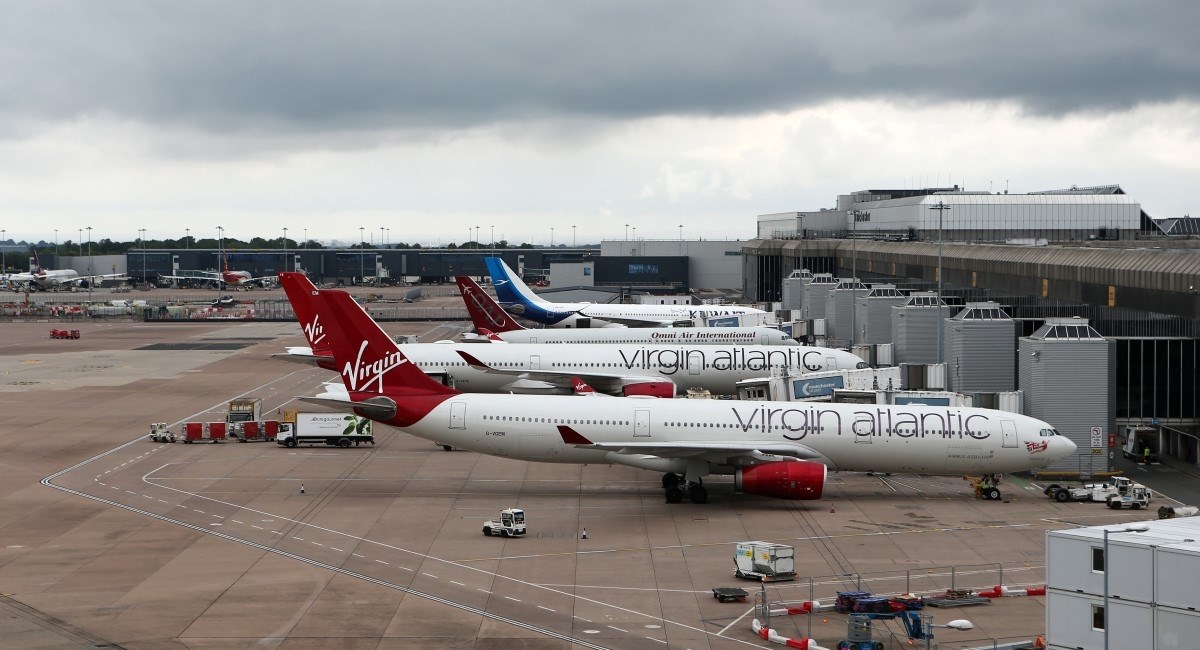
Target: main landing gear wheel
674	494
991	494
697	493
670	480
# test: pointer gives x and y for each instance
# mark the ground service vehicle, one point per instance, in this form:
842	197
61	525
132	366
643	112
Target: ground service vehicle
510	524
1137	439
160	433
244	409
764	561
334	429
1097	492
1135	496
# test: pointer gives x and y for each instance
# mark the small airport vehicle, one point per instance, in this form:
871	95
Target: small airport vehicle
1095	492
1136	497
224	301
160	433
510	524
64	334
334	429
1137	439
764	561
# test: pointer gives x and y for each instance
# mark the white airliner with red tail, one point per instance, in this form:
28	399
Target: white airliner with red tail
616	369
490	319
776	449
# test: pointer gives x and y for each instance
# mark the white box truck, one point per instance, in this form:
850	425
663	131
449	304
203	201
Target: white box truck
335	429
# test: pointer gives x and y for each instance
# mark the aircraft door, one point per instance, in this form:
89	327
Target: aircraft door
641	423
535	362
695	362
1009	430
830	363
533	339
458	415
763	339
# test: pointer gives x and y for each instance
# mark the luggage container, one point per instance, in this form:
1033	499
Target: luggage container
193	432
216	431
764	561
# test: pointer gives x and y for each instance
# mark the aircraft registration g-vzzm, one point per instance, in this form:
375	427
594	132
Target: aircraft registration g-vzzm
519	299
776	449
617	369
490	319
48	279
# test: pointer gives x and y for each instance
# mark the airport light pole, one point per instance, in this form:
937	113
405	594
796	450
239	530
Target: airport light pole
56	244
187	238
285	258
90	263
3	259
142	241
941	207
572	236
381	242
493	240
551	236
220	245
927	628
1132	528
362	255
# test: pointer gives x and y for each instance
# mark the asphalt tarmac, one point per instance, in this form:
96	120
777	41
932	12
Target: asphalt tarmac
109	538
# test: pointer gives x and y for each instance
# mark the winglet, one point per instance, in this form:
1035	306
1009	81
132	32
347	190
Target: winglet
473	362
490	335
581	387
571	436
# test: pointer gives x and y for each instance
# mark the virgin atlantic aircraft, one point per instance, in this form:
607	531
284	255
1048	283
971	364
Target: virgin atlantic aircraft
776	449
662	370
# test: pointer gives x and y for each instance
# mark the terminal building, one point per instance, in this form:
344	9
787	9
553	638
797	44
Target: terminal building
1120	291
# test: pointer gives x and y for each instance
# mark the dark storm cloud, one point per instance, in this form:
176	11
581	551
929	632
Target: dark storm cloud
294	65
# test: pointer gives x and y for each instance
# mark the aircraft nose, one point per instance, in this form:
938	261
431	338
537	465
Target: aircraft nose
1063	447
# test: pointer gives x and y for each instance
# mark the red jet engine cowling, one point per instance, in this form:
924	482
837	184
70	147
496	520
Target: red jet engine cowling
791	479
650	389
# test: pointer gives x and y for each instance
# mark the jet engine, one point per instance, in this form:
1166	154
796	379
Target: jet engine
789	479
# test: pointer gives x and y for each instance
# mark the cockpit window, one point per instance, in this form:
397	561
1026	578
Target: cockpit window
1045	433
862	364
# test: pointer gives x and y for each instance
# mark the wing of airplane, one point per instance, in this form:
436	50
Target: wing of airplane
612	384
759	450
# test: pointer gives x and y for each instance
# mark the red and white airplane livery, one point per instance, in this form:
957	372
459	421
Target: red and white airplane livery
776	449
616	369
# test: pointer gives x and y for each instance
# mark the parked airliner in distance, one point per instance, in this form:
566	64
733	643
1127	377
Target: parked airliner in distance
488	316
519	299
615	369
224	278
42	279
776	449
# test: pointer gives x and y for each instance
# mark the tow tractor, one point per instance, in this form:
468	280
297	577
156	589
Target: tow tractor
160	433
1115	486
511	524
1136	497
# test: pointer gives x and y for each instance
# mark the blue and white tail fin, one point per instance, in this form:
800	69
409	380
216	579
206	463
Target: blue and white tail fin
509	287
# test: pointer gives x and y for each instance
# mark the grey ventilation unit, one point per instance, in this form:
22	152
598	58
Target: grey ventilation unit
873	314
814	293
979	349
914	327
839	310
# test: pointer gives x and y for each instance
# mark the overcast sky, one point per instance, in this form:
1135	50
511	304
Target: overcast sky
431	118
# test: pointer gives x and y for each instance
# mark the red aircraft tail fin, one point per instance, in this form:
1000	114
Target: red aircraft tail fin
485	312
303	295
367	358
